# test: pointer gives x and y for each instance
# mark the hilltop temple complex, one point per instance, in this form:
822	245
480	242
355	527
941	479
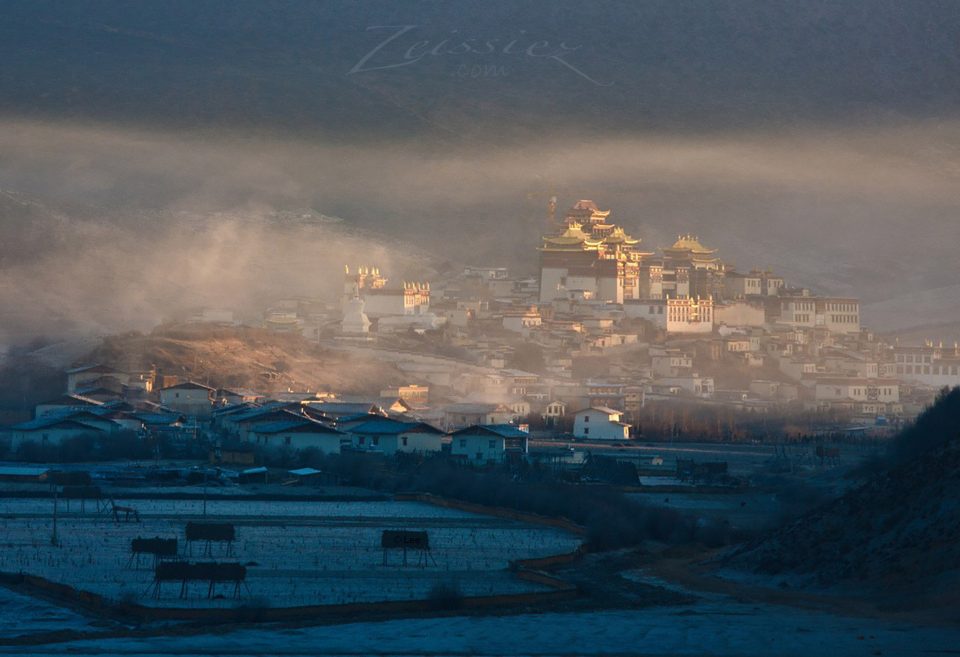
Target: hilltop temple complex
589	257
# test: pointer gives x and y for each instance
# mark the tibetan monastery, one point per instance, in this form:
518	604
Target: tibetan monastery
589	257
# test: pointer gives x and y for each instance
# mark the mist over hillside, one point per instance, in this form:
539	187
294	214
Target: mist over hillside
160	142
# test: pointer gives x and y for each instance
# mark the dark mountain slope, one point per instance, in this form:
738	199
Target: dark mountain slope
898	534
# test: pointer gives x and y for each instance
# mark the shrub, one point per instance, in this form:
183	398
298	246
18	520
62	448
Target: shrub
445	595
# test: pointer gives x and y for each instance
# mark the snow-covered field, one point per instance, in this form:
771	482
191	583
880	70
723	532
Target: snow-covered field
331	554
723	628
21	614
744	510
300	553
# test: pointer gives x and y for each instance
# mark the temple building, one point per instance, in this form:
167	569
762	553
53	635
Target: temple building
835	314
588	257
675	314
381	300
755	284
686	269
931	365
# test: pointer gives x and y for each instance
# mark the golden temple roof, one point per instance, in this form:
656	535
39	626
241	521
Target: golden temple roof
619	236
691	243
587	209
572	236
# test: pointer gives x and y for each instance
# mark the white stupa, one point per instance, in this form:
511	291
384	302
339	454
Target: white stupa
355	321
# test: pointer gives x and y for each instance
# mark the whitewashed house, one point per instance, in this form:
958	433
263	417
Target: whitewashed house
600	423
554	411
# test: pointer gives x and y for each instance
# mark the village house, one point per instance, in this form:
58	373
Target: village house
90	376
457	416
55	428
190	398
393	436
63	402
298	433
522	321
553	412
843	389
693	383
242	422
489	443
415	395
600	423
671	362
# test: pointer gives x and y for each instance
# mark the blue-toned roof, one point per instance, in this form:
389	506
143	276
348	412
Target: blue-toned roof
362	417
501	430
340	409
263	411
157	418
48	422
75	412
70	400
98	367
388	426
298	425
188	385
233	408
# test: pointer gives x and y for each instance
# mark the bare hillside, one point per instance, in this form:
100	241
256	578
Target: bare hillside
244	357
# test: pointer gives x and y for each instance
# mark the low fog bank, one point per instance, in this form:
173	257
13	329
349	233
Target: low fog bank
104	229
95	277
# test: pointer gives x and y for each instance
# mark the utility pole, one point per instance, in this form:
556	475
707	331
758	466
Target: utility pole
54	539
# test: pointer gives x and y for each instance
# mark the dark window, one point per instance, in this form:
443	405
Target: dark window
404	439
586	431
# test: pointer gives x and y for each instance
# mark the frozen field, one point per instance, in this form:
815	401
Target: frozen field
299	553
722	628
20	614
744	510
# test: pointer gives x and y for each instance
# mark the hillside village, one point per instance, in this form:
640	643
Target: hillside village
612	342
